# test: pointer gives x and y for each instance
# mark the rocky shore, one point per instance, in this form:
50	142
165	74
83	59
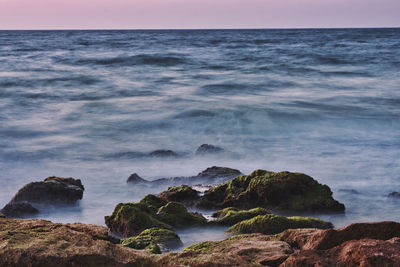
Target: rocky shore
144	233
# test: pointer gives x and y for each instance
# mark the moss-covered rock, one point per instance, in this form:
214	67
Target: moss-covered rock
177	215
273	224
129	219
240	250
154	239
273	190
153	203
230	216
182	193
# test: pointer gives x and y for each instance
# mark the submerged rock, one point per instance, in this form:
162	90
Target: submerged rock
53	190
273	190
208	149
163	153
19	209
230	216
156	240
130	219
273	224
208	176
394	195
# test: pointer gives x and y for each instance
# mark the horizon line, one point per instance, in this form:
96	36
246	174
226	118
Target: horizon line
199	29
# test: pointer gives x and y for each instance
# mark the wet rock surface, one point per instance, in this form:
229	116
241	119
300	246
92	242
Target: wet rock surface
273	190
53	190
43	243
19	209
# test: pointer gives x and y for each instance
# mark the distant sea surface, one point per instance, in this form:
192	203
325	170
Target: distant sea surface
92	104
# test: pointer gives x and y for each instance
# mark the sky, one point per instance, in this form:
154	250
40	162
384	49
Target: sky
197	14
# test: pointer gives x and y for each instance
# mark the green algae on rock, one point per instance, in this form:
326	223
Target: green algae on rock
182	193
177	215
240	250
273	224
154	240
130	219
274	190
230	216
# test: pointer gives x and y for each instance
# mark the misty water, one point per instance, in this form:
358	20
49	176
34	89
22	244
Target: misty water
91	104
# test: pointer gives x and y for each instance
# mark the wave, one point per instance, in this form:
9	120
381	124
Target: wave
123	61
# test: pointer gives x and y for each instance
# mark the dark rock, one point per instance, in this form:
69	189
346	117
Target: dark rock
273	190
218	172
349	191
53	190
210	175
394	195
136	179
208	149
163	153
19	209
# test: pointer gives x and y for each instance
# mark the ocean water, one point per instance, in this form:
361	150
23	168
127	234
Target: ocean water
91	104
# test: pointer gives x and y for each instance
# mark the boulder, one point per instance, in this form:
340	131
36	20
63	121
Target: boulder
53	190
230	216
333	237
273	190
156	240
272	224
354	253
136	179
19	209
359	244
219	172
241	250
182	193
37	243
208	149
130	219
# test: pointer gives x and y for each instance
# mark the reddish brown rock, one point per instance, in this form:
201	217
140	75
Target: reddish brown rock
31	243
326	239
363	252
359	244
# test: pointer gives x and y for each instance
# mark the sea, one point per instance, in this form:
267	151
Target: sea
93	104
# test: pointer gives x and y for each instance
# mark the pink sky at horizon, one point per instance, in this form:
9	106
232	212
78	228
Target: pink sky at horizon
195	14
